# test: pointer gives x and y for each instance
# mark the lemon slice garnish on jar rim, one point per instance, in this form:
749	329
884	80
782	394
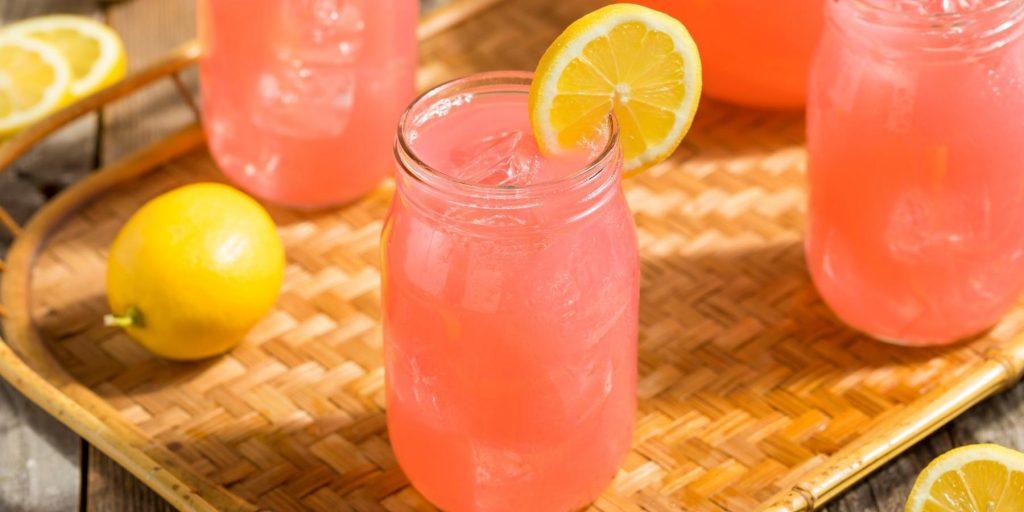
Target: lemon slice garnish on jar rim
634	62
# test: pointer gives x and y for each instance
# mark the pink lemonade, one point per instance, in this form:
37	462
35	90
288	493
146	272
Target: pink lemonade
301	97
915	131
754	52
510	298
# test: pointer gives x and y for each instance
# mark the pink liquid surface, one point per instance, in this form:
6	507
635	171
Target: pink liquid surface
510	322
301	97
916	219
753	52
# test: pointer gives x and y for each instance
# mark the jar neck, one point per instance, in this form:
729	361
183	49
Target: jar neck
544	205
927	30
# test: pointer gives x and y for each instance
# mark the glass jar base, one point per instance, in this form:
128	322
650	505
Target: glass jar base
924	343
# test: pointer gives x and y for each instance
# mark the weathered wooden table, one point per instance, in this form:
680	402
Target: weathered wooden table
46	467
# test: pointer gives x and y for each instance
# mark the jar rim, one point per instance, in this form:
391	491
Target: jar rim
888	9
941	36
415	167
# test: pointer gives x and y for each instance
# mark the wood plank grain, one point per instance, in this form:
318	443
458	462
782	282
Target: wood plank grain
40	459
150	29
112	488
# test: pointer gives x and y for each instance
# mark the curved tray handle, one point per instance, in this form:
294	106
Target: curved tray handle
168	67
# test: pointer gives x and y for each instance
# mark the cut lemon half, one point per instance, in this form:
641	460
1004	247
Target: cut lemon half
635	62
976	478
93	50
34	81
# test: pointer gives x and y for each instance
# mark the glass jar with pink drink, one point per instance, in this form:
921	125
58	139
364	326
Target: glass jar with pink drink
300	97
510	306
754	52
914	127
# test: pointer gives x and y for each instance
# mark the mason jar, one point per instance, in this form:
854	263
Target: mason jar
914	127
509	307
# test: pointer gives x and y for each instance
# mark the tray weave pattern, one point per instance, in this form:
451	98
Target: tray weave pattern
746	380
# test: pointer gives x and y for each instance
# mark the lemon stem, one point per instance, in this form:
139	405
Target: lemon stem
129	319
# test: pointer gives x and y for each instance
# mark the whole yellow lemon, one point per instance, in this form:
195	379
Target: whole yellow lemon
193	270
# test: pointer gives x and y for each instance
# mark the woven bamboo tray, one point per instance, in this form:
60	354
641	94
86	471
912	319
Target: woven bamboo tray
752	395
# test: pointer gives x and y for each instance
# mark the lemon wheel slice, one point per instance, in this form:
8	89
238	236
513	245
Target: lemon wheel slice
34	81
976	478
93	50
635	62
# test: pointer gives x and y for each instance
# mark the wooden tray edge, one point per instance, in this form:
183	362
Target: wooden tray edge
1001	369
